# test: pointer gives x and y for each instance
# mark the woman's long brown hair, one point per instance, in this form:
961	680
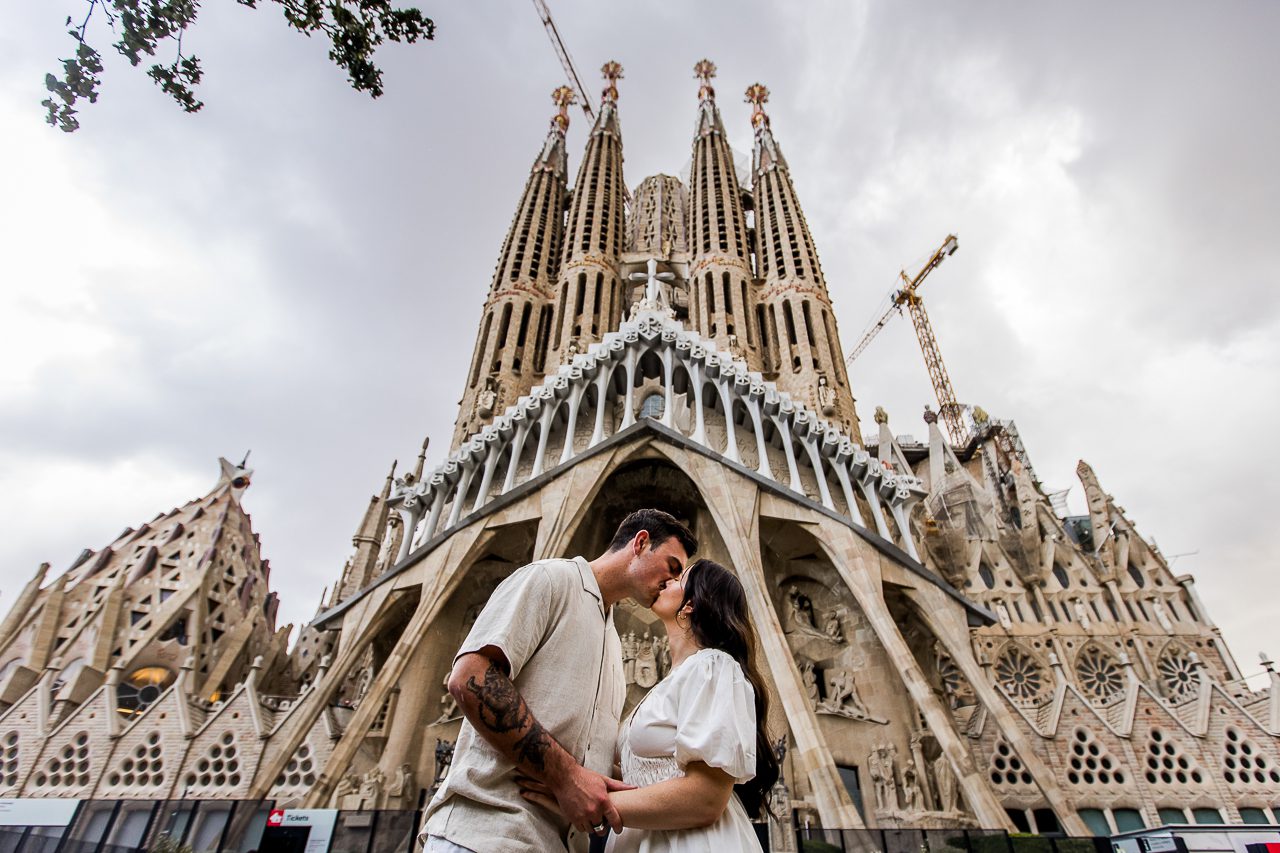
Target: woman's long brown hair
719	620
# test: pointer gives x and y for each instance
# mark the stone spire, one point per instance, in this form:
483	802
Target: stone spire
511	351
368	543
802	347
721	289
589	292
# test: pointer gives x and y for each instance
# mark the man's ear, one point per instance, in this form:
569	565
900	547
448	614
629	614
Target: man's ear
638	543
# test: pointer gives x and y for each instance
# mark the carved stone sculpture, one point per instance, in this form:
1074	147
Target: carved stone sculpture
646	662
842	695
487	399
629	645
810	680
448	706
826	397
944	782
444	758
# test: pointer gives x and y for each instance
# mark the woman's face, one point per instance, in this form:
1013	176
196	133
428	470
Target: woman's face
670	598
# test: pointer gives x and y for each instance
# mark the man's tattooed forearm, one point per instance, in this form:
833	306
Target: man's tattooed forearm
503	710
501	707
534	746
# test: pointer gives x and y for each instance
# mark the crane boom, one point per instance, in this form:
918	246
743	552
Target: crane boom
565	62
949	407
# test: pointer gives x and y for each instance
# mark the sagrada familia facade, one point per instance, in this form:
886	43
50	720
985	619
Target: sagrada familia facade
946	646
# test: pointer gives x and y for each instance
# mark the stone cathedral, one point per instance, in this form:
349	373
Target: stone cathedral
946	646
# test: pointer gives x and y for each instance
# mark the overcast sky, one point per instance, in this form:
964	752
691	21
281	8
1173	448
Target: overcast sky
299	269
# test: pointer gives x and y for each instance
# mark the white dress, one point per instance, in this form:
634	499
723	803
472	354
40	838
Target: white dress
704	711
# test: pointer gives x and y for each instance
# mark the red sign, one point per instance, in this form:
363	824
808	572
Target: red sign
276	818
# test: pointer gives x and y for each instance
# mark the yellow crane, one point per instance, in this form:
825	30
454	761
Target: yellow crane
907	295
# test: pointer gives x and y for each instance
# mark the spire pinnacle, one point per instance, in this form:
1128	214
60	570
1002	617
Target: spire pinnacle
758	96
611	71
563	96
703	72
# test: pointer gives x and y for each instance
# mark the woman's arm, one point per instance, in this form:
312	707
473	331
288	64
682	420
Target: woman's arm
694	800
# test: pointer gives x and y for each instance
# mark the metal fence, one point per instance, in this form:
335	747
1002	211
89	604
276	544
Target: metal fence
204	826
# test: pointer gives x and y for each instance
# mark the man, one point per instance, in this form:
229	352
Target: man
539	680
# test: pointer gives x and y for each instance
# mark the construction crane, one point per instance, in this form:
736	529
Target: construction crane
565	62
907	295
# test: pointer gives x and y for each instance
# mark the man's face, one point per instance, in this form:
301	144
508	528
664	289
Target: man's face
653	567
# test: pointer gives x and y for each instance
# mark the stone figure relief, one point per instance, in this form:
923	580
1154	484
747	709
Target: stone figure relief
371	788
444	758
826	397
842	695
1082	613
629	645
662	650
912	798
832	623
646	662
487	399
799	609
882	766
944	782
448	706
810	680
346	793
1162	615
1003	613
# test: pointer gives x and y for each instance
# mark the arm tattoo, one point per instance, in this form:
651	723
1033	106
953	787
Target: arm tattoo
503	710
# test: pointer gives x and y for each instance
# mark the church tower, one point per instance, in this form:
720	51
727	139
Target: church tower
721	298
511	352
589	291
802	347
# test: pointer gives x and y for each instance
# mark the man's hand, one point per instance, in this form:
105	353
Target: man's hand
580	795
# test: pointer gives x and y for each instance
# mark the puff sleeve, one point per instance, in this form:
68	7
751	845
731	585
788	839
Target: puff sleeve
716	716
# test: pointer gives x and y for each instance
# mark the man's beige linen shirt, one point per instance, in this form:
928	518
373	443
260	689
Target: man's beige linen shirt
566	660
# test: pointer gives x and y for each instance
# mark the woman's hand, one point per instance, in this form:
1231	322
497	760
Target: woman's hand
539	794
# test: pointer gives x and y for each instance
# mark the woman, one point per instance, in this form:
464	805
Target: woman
696	743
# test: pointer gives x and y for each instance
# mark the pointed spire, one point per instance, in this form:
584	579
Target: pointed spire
588	291
510	355
422	455
391	477
765	154
708	114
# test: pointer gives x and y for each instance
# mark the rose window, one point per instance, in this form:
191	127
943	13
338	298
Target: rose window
1178	674
1020	675
1099	675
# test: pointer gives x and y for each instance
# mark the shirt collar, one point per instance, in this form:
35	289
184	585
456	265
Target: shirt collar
589	583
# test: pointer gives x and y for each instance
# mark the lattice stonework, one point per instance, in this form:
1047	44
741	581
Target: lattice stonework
1091	764
219	768
67	769
1178	674
1099	675
1007	768
1020	675
298	776
1243	763
1166	762
9	760
144	768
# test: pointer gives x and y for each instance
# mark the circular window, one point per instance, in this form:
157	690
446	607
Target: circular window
142	688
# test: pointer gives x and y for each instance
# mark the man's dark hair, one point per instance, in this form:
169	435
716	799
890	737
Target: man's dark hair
661	526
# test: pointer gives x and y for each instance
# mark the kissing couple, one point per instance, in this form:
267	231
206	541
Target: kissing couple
541	763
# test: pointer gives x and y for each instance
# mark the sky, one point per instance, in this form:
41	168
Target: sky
298	270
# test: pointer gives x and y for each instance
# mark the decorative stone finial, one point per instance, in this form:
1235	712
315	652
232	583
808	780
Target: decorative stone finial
562	97
703	72
980	416
930	416
611	71
758	96
1267	663
882	417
